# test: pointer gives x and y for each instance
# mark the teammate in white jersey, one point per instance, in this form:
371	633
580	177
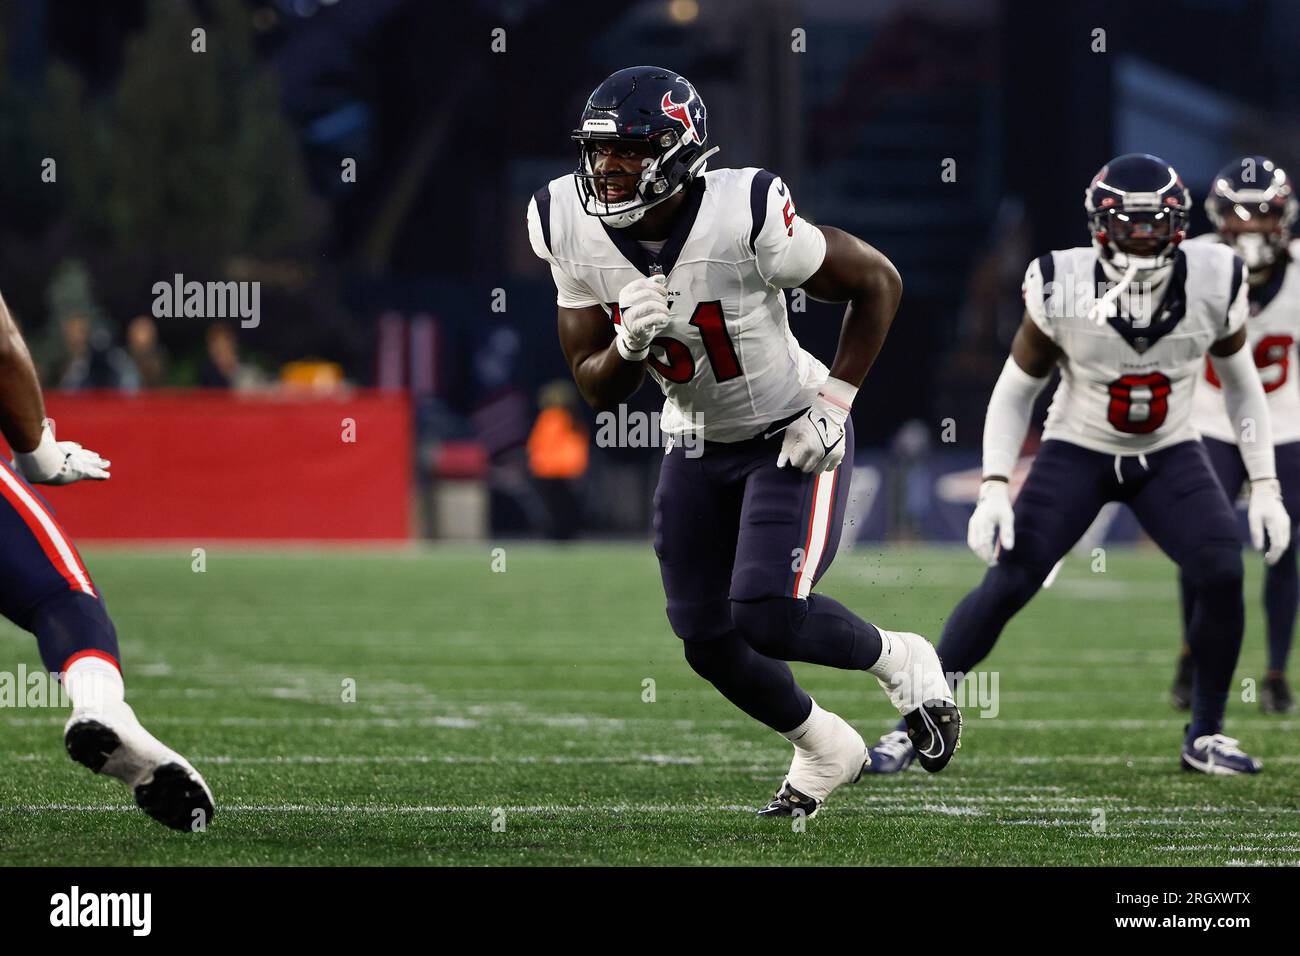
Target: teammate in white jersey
663	267
1253	207
1129	322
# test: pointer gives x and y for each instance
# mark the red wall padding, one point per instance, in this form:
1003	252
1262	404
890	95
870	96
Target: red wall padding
203	466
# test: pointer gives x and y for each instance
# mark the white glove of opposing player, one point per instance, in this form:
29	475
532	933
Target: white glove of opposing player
815	440
59	462
1267	515
643	314
993	518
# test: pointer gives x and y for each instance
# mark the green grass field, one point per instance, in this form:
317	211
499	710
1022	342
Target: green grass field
516	698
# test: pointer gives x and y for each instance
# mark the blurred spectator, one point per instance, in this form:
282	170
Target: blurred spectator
90	359
222	367
146	352
557	456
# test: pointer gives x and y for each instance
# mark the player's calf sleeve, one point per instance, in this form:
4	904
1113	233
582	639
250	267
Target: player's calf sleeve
72	624
763	688
1214	633
975	624
817	630
1281	602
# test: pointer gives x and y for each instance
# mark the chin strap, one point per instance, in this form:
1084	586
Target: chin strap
697	167
1100	310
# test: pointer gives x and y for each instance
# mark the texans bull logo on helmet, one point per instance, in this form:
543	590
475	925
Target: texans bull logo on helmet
681	113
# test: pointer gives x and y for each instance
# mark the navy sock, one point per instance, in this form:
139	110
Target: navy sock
1281	600
760	686
816	630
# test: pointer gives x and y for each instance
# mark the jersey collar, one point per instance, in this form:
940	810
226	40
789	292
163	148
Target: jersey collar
1173	306
634	253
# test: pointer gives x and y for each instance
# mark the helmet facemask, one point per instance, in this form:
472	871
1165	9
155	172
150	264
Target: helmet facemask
651	186
1257	229
1134	237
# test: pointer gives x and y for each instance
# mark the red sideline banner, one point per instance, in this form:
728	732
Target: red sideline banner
211	465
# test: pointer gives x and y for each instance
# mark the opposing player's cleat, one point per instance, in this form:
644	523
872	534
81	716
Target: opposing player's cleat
1275	696
919	689
112	741
1181	693
1218	755
892	753
815	774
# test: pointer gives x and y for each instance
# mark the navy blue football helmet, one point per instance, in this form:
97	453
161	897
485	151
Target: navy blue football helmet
1137	211
653	109
1253	207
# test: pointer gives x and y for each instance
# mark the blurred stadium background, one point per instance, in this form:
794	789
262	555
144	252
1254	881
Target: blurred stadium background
408	302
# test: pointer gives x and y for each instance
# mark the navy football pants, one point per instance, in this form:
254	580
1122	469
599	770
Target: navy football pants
1181	505
740	544
1281	581
44	586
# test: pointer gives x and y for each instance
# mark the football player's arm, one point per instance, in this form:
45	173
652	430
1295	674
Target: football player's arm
1243	393
22	408
603	376
1012	403
832	266
860	275
22	418
1005	423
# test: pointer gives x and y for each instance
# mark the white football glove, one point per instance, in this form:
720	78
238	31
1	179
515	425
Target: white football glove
1267	515
993	518
643	314
59	462
815	440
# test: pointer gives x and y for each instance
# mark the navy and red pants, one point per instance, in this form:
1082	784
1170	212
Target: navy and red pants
44	585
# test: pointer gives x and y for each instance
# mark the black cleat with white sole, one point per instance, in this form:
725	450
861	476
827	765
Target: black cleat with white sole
789	802
935	731
173	793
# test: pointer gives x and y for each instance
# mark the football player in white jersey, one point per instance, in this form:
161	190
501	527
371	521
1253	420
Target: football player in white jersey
665	268
1129	321
1253	207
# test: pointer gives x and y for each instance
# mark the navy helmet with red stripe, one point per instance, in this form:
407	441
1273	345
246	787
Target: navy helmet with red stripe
1253	206
1137	211
648	106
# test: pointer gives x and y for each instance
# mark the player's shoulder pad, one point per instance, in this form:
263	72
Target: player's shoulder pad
1209	255
769	199
1043	281
541	216
1220	263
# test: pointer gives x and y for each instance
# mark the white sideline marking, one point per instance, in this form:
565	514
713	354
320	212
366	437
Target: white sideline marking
1074	819
667	760
619	723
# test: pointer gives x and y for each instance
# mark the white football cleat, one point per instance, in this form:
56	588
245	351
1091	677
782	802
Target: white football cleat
917	686
815	774
111	740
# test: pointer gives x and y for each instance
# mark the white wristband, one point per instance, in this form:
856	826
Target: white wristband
839	392
631	356
45	460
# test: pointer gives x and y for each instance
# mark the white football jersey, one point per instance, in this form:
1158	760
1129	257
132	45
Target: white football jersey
1126	386
727	363
1272	331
